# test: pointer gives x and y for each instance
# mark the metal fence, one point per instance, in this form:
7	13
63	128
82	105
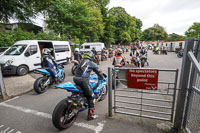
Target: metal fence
159	104
2	87
188	115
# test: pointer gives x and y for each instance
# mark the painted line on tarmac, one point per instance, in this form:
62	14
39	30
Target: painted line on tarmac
7	130
97	129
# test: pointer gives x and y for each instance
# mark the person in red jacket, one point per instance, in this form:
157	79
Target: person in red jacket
119	60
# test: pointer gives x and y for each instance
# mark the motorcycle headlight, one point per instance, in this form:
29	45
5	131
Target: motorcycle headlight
9	62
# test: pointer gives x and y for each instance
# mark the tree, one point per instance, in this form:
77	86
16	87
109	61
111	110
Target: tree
75	19
126	27
193	31
175	37
154	33
22	10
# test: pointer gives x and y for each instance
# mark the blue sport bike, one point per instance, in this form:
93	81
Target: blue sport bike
42	83
67	110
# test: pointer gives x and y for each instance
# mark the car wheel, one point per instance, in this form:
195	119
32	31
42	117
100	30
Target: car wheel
22	70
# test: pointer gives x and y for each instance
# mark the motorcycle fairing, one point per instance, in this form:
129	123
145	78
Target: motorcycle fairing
42	70
69	86
60	74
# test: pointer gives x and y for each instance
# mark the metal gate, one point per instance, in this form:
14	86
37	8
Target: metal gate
188	101
159	104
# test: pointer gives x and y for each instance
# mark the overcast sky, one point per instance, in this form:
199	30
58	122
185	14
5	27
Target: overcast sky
176	16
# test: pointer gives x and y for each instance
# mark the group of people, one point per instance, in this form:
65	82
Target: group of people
85	67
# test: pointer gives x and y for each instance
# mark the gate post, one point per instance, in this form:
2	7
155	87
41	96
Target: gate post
109	92
183	84
2	86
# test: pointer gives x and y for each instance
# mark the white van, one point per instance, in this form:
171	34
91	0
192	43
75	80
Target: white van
86	47
25	56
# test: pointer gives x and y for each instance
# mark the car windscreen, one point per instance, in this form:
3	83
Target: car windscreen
16	49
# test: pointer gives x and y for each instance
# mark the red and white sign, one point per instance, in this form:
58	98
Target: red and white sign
146	79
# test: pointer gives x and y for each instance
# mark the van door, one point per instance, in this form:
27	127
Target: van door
61	53
33	57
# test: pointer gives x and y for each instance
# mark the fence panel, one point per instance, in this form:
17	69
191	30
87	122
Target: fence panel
155	104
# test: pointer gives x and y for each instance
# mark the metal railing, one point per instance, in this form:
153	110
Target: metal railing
158	104
188	116
2	86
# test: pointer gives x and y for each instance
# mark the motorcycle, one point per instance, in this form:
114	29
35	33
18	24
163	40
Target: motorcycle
67	110
103	57
135	61
116	74
96	59
143	60
42	83
180	54
74	67
110	54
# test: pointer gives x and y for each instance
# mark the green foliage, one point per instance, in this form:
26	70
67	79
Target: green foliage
154	33
22	10
126	27
8	38
175	37
193	31
75	18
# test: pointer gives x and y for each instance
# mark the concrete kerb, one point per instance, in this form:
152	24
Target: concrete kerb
17	85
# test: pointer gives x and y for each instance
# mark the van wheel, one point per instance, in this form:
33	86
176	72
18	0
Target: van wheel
22	70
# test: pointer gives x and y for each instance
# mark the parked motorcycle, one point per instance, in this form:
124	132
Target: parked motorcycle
116	74
67	110
96	59
74	67
135	61
180	54
143	60
110	54
42	83
103	57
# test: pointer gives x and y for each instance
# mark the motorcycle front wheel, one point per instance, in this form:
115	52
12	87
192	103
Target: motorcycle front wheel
39	86
64	115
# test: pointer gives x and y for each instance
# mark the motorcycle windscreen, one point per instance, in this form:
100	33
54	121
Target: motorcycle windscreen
69	86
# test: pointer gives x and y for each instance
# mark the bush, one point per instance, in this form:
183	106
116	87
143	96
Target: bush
8	38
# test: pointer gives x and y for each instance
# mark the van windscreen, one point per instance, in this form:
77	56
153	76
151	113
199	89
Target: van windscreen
16	49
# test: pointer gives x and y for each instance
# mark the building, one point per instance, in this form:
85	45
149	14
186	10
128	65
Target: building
24	26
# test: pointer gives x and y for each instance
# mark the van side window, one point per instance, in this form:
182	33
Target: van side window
33	49
87	46
61	48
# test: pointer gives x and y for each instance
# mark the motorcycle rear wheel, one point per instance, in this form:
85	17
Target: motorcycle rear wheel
74	67
39	85
63	115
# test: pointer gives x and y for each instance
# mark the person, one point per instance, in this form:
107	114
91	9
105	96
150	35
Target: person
94	51
96	56
50	63
119	60
143	51
77	55
103	51
83	71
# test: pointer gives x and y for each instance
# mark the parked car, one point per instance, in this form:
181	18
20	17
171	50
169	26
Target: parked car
25	56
